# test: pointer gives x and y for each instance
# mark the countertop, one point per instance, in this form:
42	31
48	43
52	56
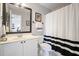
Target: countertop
18	37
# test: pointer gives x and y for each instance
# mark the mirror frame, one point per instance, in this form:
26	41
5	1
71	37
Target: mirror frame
4	19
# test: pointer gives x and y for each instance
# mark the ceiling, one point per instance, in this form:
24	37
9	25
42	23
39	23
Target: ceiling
53	6
46	7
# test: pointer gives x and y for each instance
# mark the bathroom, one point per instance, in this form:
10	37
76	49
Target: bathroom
39	29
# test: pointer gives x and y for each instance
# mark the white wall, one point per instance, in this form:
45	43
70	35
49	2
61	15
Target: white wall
40	9
0	20
64	22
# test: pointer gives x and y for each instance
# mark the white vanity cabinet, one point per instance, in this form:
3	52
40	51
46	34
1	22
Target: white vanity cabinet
28	47
1	50
13	49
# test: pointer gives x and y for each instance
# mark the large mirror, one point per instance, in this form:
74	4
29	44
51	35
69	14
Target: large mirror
18	19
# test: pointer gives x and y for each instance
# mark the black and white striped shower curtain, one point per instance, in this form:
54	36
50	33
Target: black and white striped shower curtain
63	46
62	30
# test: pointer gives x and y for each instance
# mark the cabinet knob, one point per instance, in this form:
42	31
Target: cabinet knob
24	41
21	41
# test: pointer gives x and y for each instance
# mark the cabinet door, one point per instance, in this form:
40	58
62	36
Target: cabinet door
31	47
1	50
13	49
